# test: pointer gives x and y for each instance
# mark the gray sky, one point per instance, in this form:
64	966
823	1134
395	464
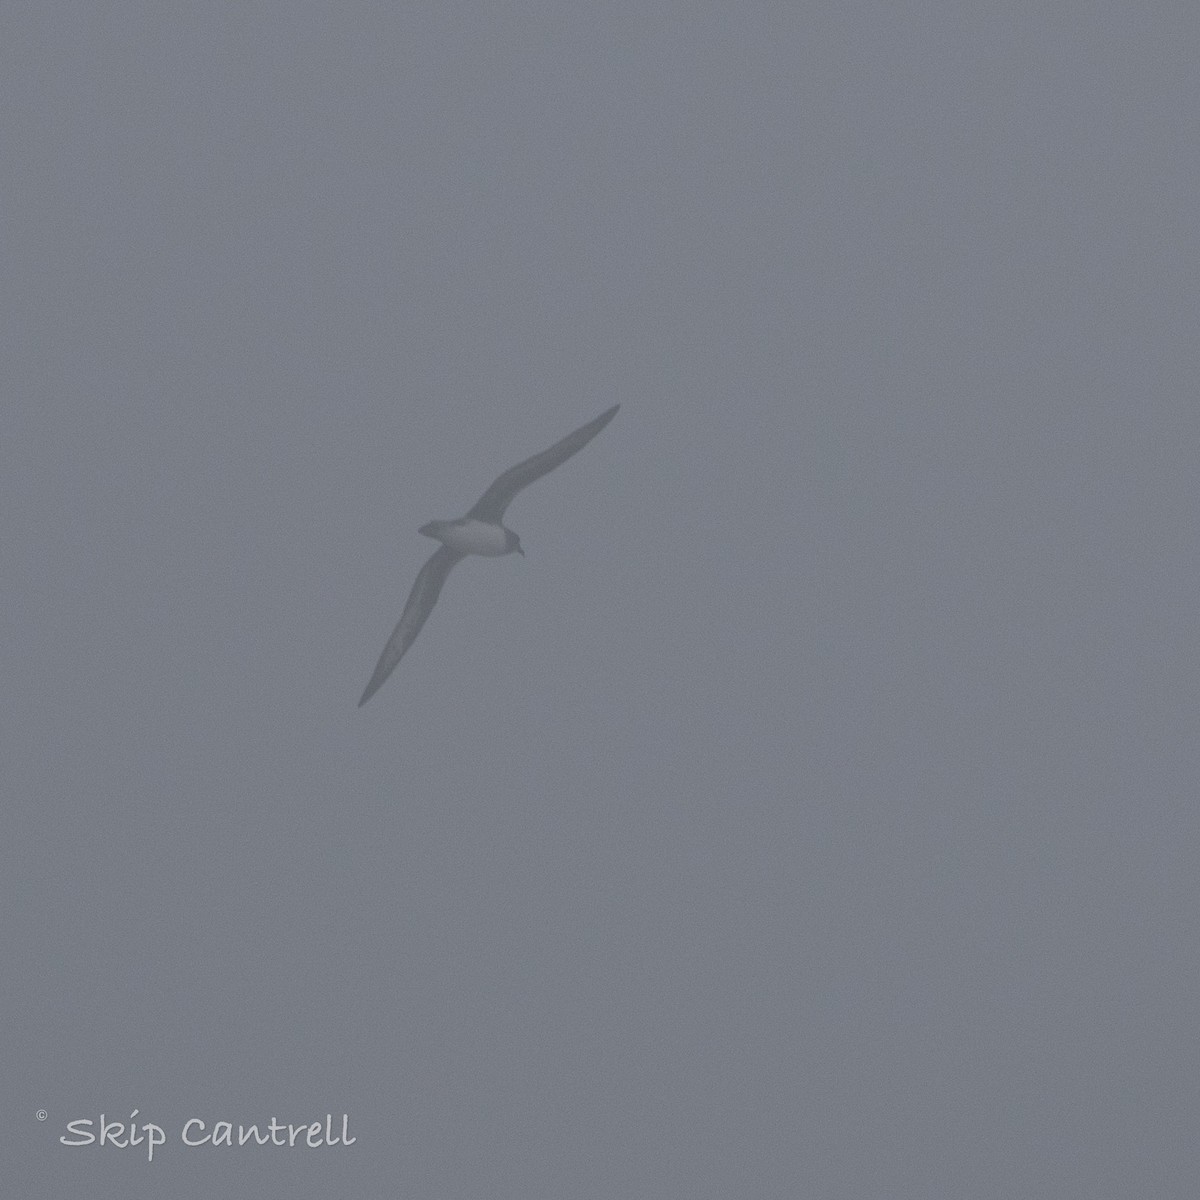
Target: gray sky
813	811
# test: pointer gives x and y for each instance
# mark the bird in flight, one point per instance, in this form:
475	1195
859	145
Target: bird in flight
479	532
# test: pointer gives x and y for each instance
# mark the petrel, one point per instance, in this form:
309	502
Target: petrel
480	532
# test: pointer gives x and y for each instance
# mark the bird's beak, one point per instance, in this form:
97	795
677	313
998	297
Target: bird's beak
520	552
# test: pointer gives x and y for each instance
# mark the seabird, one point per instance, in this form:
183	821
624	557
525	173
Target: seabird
479	532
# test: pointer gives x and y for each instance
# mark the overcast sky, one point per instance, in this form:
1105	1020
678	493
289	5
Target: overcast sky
813	811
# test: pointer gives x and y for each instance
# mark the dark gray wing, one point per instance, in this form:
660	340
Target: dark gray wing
417	607
493	502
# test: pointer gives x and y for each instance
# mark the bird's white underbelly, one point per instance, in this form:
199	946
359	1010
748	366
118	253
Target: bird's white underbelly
474	537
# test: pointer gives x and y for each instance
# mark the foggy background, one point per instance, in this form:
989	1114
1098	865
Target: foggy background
813	811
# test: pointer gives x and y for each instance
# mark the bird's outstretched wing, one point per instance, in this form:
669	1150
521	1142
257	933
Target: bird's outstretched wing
417	607
491	505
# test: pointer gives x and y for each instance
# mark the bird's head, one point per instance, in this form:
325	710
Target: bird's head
513	542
